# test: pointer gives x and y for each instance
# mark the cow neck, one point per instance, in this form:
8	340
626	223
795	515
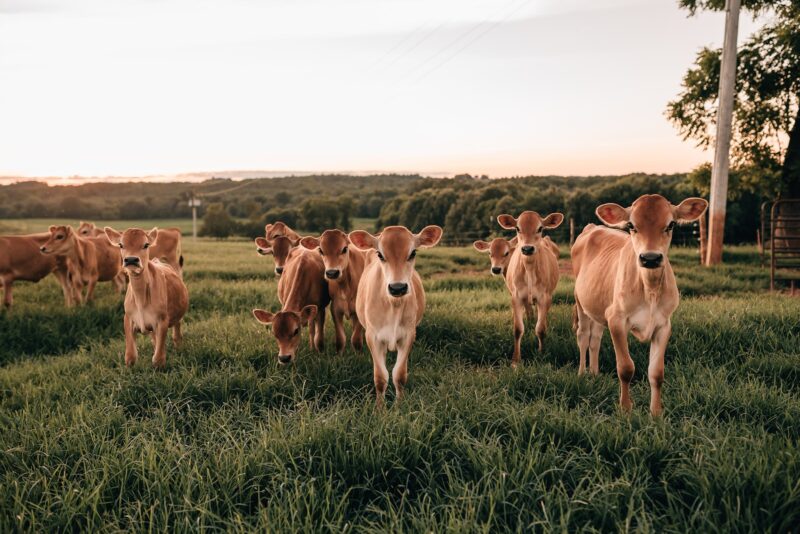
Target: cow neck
78	251
294	298
140	286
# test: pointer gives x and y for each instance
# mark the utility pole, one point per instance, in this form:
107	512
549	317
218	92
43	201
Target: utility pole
194	202
719	171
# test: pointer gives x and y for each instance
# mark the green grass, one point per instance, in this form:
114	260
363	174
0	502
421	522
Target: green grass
225	439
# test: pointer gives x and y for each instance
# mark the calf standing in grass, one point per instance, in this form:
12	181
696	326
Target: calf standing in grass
625	281
21	259
303	294
343	268
157	298
391	300
532	273
81	257
500	251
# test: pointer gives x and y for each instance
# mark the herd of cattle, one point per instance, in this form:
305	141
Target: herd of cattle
623	282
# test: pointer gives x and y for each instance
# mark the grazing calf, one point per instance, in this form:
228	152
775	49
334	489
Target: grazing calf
303	295
391	300
157	298
281	248
532	273
81	257
22	259
343	268
500	251
626	282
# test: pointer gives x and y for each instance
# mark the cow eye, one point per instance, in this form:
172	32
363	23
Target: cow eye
630	227
296	332
540	230
412	255
120	245
59	237
506	254
516	228
146	245
670	226
380	256
320	252
344	250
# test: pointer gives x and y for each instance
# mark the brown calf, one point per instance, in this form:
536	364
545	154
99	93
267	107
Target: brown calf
532	273
107	254
303	295
279	228
22	259
343	268
167	249
626	282
281	248
81	257
499	250
391	300
157	298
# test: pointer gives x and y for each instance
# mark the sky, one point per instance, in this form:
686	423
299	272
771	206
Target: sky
502	87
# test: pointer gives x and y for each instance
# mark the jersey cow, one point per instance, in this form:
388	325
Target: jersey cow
343	268
81	256
281	248
391	300
499	250
303	295
532	273
625	281
21	259
157	298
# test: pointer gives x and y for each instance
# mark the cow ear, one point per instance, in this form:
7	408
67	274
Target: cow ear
512	242
152	236
553	220
112	235
307	314
690	210
429	236
67	230
612	214
481	246
267	228
263	246
507	221
263	316
362	239
311	243
52	229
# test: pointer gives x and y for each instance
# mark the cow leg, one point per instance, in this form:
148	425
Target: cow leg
119	282
312	330
379	372
338	327
583	334
655	368
8	298
319	331
519	330
90	290
177	336
625	366
131	353
596	338
357	339
63	281
542	307
400	370
160	342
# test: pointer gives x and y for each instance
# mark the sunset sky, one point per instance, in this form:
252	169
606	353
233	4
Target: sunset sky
501	87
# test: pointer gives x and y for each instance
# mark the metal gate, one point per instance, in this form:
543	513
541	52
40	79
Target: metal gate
779	240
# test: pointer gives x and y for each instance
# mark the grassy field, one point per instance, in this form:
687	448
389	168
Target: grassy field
225	439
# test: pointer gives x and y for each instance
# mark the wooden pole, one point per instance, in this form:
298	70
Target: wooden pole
703	238
719	171
571	231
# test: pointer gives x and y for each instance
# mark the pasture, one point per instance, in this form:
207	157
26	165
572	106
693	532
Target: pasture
225	439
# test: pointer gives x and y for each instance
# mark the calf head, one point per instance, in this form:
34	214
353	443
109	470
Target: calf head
396	248
530	227
334	247
278	229
286	327
279	248
650	220
86	229
134	245
60	242
499	250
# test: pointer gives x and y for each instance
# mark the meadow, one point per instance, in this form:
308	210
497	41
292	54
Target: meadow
225	439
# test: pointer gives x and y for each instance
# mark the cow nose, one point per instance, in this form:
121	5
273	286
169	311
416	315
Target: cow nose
398	289
279	270
131	260
651	260
284	358
528	250
496	270
333	274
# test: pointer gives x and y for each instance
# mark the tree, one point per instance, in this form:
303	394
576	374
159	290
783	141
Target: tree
767	98
217	222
